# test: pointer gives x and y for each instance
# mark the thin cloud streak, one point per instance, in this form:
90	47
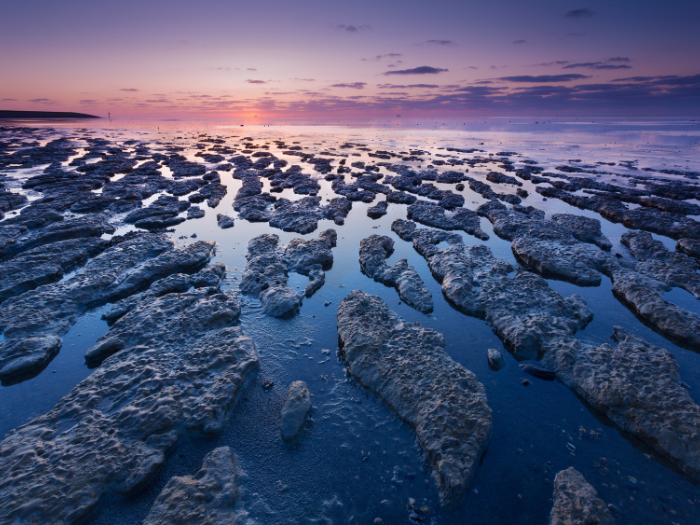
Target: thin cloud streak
422	70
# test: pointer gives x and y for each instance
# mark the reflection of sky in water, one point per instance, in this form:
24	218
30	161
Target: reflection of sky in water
356	458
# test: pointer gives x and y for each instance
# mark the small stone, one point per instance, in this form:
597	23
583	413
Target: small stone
496	359
295	410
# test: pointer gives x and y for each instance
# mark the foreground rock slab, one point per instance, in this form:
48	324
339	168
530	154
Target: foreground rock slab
207	498
408	368
637	385
576	502
34	322
412	291
295	410
179	372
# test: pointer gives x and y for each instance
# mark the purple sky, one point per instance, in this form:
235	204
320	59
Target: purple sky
218	58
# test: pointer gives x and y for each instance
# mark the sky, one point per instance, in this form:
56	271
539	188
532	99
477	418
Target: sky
367	58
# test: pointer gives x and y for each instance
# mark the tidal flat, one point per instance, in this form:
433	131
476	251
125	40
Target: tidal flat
344	321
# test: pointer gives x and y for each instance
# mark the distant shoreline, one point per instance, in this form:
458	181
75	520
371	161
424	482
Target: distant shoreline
6	114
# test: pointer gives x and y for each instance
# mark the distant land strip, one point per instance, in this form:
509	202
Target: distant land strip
5	114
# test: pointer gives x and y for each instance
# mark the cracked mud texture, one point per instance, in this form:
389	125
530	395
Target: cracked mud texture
178	370
407	367
576	502
637	385
33	323
295	410
412	291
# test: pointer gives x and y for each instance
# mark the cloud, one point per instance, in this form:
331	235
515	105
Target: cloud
544	78
422	70
351	85
41	100
304	79
580	13
554	63
249	81
437	43
619	59
409	86
88	102
473	67
130	90
251	69
519	42
352	28
8	100
597	65
380	57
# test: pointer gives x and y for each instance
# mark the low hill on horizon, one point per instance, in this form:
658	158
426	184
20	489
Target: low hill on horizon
6	114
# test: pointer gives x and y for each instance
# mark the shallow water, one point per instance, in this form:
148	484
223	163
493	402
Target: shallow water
356	460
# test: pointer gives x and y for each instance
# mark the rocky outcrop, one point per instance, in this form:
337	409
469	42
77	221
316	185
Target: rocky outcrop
412	291
33	323
163	213
407	367
584	229
645	295
17	239
266	273
295	411
178	371
378	210
45	264
637	385
576	502
673	268
211	275
522	309
207	498
436	216
224	221
548	247
689	246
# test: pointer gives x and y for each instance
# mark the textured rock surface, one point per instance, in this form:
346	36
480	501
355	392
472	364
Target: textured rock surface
224	221
522	309
576	502
408	368
637	385
412	291
690	247
645	295
178	370
584	229
45	264
207	498
15	240
496	359
673	268
266	273
32	320
295	410
548	247
461	219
